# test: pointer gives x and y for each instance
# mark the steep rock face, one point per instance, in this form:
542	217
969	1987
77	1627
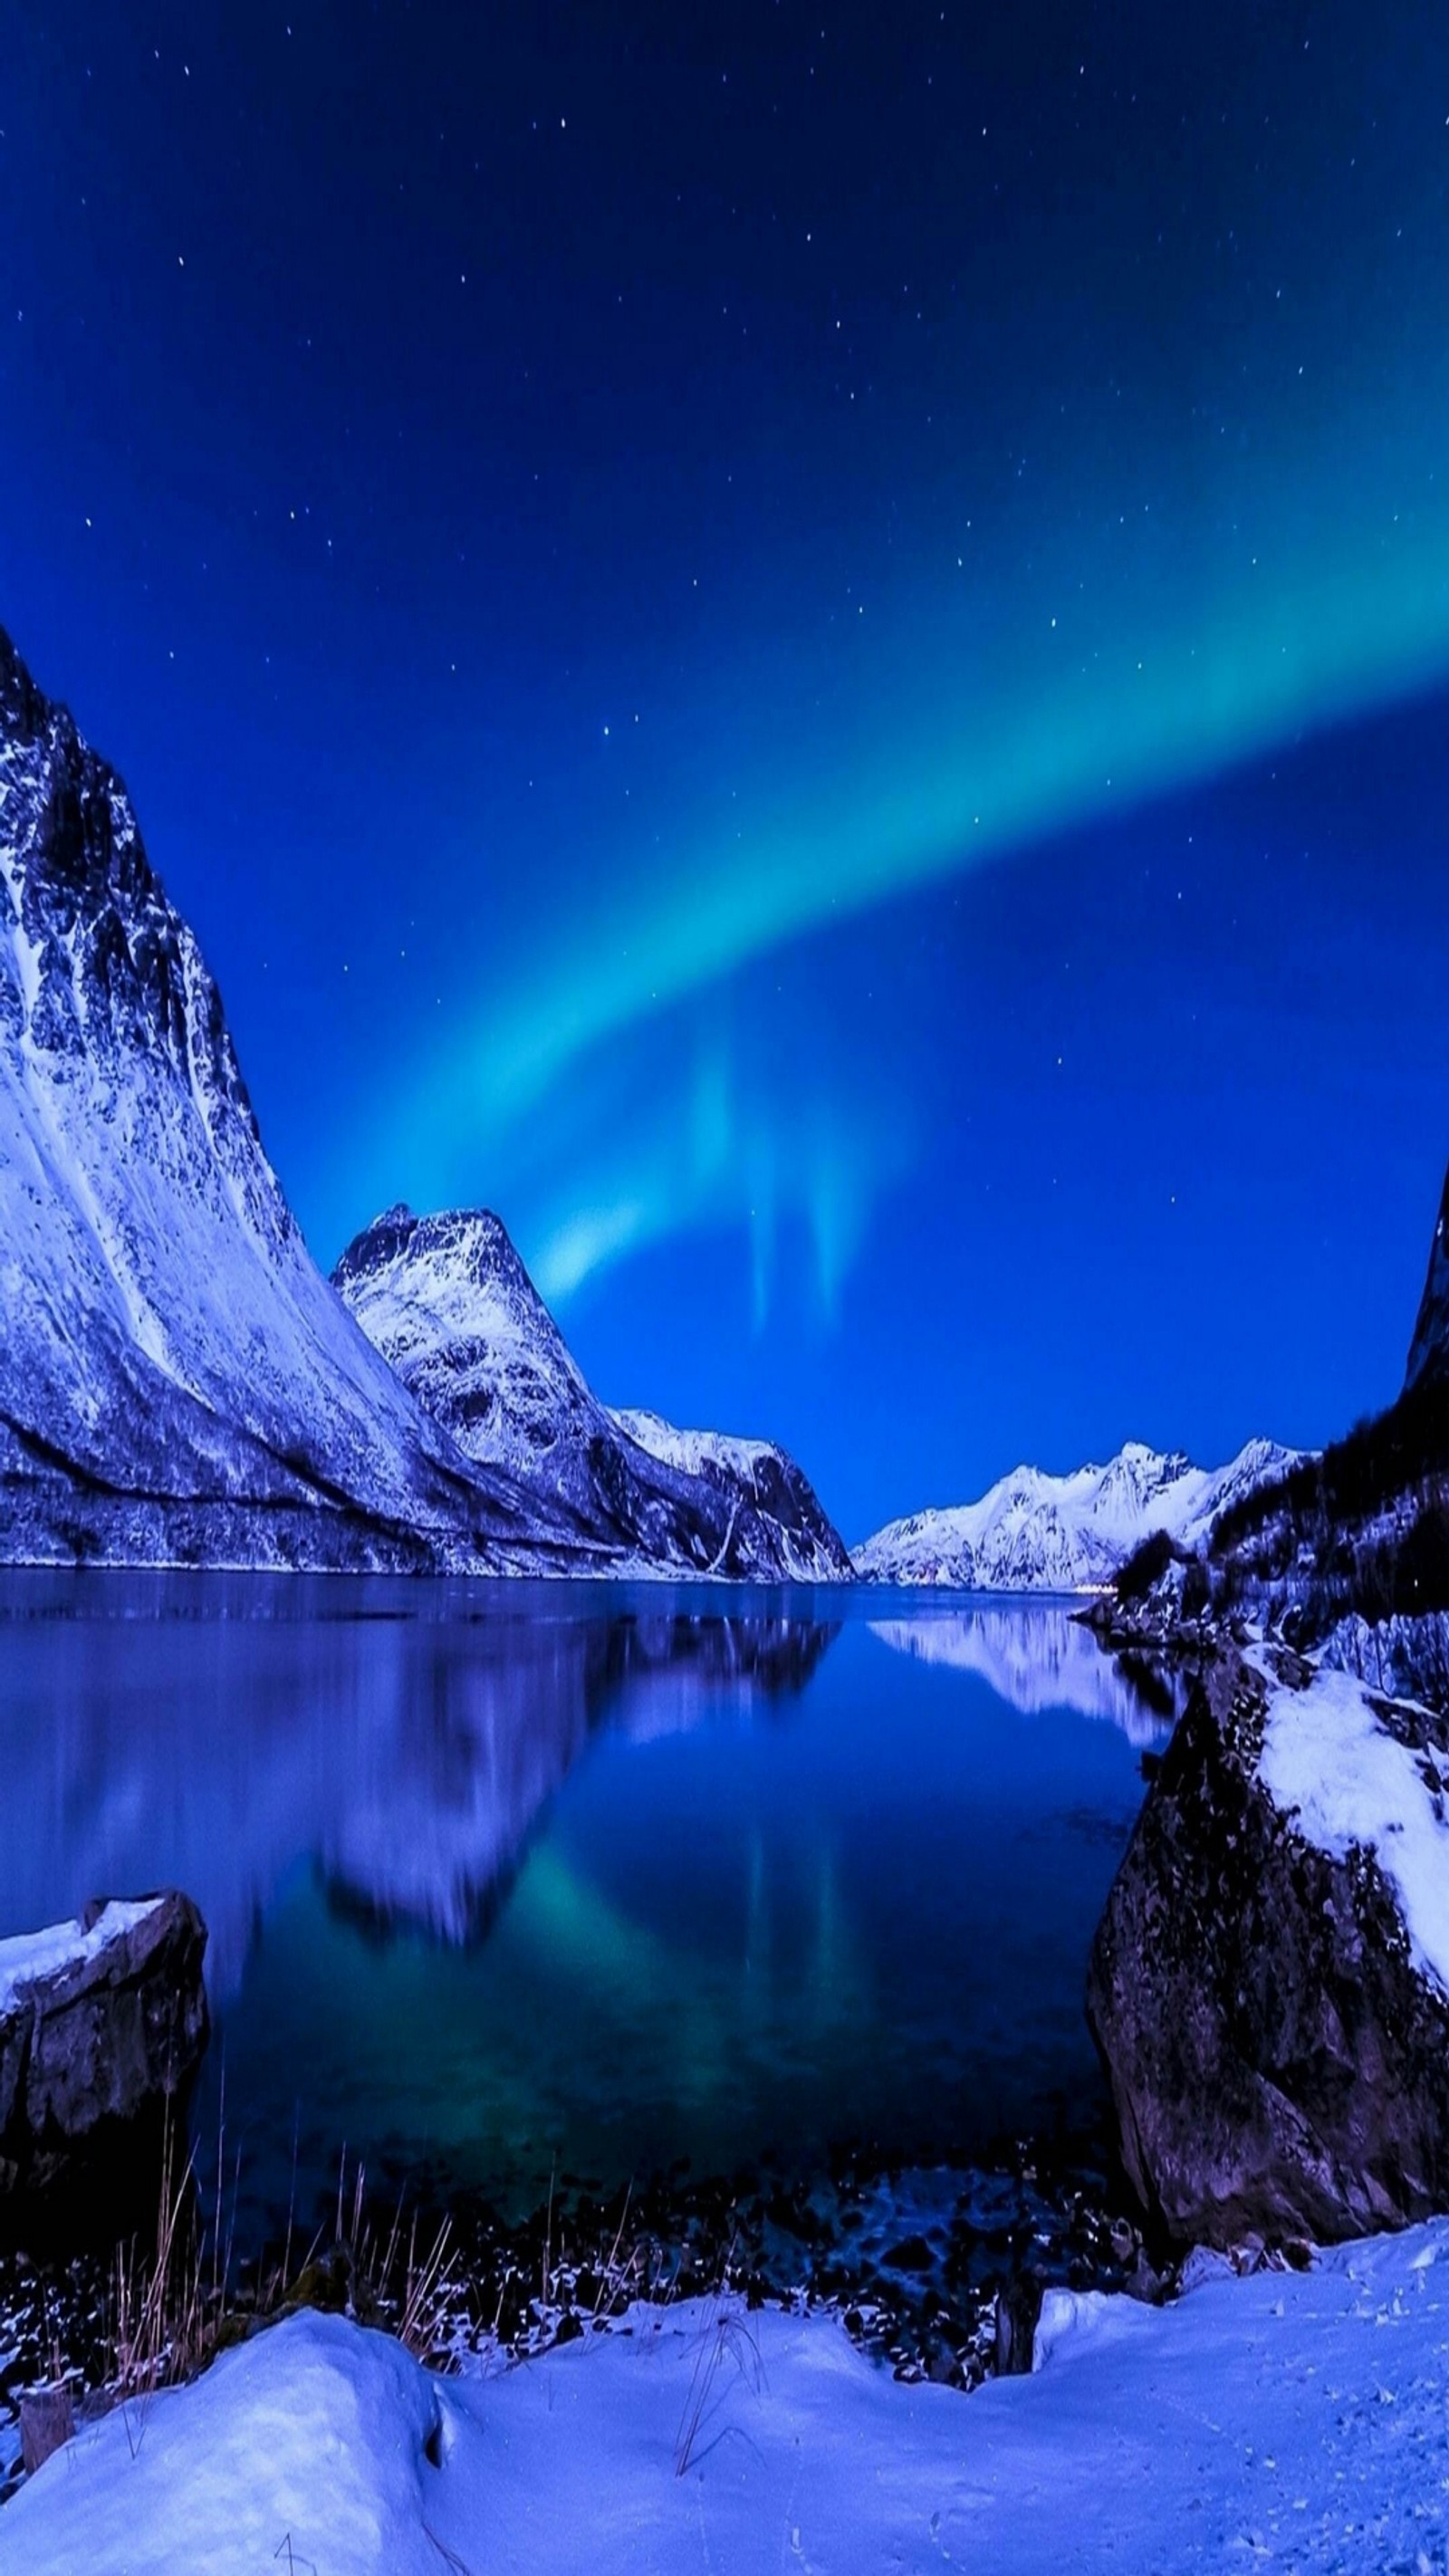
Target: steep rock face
778	1491
1268	1983
1429	1350
177	1380
454	1313
1035	1532
100	2021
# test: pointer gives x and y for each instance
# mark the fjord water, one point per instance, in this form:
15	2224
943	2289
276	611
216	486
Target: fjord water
509	1883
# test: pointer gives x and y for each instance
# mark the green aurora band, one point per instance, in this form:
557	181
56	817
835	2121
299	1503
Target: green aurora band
1080	713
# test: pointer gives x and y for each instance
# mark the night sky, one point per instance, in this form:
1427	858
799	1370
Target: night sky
807	649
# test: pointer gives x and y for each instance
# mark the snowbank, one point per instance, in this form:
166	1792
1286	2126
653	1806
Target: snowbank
1297	2419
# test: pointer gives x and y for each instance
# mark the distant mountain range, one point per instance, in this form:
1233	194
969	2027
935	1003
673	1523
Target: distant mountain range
178	1382
1039	1533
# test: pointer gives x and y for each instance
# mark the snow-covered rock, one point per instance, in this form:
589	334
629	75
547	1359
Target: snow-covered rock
451	1308
1429	1350
1269	1984
177	1380
100	2020
1035	1532
1287	2418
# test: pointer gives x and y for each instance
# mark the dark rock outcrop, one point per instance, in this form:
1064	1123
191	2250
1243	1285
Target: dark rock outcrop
101	2022
1279	2062
1429	1350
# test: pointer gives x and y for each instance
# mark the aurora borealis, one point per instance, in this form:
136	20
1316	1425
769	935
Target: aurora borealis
808	650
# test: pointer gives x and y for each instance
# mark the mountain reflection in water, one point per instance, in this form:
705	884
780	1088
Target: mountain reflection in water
502	1878
209	1732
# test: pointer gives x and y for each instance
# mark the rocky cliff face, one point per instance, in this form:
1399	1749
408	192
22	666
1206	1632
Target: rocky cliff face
1429	1350
1270	1982
454	1313
1035	1532
177	1380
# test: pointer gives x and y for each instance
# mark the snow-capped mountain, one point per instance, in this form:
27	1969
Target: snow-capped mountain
177	1380
452	1309
1429	1350
1038	1533
731	1465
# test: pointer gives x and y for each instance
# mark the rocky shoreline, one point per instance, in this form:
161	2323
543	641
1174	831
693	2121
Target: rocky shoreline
920	2265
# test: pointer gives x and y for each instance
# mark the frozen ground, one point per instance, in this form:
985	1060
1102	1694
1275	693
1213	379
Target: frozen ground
1290	2420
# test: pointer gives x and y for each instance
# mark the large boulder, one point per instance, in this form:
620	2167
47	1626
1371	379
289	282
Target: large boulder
101	2022
1269	1985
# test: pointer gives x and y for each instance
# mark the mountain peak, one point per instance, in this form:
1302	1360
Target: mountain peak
23	709
452	1309
451	1258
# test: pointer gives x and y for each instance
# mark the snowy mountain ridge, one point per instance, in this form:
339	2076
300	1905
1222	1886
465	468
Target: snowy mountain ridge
1035	1532
451	1308
176	1378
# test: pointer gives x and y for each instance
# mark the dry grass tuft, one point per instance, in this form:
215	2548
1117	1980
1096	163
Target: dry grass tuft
177	2303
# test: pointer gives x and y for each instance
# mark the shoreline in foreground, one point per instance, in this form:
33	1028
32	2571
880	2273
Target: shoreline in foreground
1293	2417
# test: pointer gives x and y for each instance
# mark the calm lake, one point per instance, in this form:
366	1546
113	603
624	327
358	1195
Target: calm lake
513	1882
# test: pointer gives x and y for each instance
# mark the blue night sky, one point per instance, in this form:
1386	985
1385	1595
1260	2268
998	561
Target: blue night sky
808	649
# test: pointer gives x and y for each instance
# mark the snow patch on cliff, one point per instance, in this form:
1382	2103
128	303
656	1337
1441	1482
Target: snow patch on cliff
1329	1758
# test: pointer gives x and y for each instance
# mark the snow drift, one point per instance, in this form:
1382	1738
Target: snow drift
1292	2417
